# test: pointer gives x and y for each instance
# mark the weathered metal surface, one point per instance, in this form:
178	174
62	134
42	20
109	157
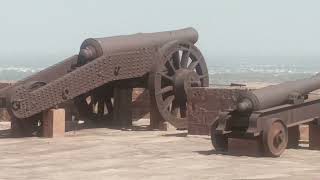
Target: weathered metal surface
276	95
95	47
125	61
85	78
270	115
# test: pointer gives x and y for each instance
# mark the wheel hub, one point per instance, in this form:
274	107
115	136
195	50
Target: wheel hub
275	138
183	80
278	139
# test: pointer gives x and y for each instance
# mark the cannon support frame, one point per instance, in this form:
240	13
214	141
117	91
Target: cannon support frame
232	124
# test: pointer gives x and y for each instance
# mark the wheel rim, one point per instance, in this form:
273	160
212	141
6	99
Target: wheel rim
277	138
183	67
96	105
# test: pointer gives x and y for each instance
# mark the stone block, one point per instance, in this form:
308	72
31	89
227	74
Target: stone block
304	133
54	123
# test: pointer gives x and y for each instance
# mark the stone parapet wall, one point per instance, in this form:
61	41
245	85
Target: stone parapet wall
205	104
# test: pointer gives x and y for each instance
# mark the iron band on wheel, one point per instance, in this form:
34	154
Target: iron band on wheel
182	66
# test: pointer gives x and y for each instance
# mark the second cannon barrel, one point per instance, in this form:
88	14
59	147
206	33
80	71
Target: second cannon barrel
276	95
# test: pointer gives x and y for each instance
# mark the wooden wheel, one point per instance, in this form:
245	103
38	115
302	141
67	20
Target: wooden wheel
96	105
219	141
182	66
275	139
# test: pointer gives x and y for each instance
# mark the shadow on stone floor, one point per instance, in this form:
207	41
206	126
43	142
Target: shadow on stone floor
237	154
182	134
72	126
5	134
241	152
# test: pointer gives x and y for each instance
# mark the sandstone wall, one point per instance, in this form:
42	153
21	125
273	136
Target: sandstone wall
205	104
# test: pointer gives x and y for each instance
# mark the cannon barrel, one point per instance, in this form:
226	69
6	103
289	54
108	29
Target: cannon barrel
276	95
96	47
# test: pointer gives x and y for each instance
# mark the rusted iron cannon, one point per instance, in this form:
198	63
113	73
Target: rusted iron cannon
166	63
270	115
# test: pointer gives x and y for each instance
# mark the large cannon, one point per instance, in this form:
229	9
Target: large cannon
270	115
166	63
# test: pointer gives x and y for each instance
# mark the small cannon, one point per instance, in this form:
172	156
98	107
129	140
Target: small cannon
166	63
271	115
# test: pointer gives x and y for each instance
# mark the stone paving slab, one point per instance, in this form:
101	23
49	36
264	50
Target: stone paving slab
115	154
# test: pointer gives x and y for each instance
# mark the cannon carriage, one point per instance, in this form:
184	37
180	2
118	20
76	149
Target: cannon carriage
269	115
166	63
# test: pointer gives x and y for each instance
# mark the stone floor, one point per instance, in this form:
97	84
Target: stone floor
91	154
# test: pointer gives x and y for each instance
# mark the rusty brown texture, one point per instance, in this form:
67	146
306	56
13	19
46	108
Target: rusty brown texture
167	63
271	115
206	103
140	106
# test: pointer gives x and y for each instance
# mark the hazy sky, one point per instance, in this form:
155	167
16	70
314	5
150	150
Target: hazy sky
48	30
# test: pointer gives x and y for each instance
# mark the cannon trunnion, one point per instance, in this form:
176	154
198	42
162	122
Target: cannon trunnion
270	115
166	63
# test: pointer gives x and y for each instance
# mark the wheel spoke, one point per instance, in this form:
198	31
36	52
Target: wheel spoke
90	103
195	83
193	65
175	108
182	65
172	66
109	105
183	110
168	101
101	108
203	76
167	77
176	59
93	104
165	90
185	59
